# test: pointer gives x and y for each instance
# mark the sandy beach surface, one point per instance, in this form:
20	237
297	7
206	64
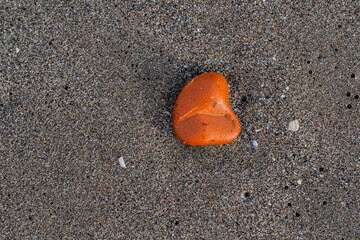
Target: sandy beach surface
84	83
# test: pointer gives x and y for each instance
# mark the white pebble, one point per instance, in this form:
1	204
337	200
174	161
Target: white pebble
299	181
17	50
255	144
294	126
122	163
283	96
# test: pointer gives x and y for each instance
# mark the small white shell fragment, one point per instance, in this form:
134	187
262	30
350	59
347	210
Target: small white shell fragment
283	96
17	50
294	126
258	130
255	144
122	163
299	181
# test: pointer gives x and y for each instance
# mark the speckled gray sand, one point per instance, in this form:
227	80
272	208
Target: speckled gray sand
85	83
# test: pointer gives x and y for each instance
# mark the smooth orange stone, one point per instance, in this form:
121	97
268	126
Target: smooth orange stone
202	114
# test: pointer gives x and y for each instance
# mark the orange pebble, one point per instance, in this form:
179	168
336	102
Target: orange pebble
202	114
